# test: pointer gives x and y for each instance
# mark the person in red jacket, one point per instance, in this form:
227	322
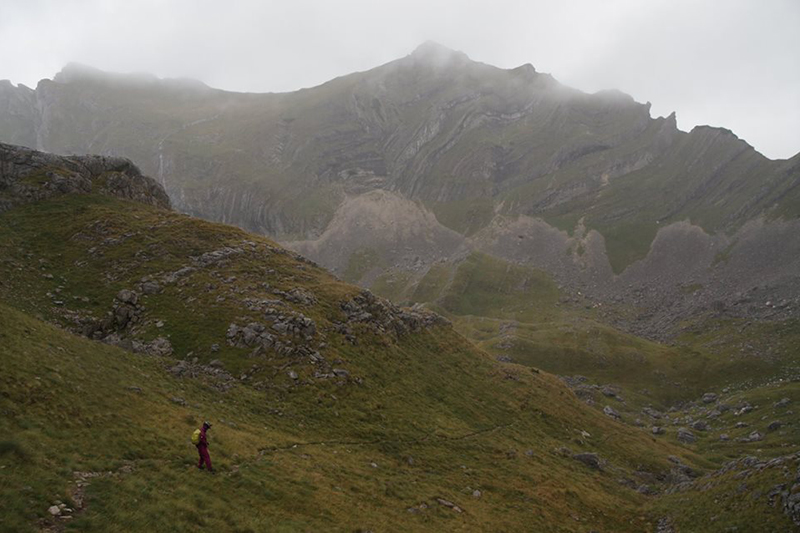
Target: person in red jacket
202	448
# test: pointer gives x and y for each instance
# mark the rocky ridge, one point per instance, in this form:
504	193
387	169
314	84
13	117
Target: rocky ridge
29	175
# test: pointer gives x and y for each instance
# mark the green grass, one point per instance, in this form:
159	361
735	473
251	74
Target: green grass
392	285
730	500
485	286
298	455
430	287
71	404
360	262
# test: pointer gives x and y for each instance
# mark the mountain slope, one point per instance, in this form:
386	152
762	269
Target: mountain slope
331	408
508	162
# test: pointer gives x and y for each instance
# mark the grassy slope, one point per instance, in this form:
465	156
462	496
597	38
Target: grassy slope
729	500
465	419
567	341
514	311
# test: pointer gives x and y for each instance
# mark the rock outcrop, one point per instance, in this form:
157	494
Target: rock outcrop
28	175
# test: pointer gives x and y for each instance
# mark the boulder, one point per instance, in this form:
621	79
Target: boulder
710	397
592	460
686	436
610	411
151	287
449	504
160	347
128	297
775	426
652	413
608	391
300	296
782	403
755	436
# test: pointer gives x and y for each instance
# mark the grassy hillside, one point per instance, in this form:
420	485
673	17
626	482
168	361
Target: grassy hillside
516	313
104	431
332	410
416	417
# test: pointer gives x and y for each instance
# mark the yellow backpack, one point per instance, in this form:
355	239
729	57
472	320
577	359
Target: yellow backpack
196	437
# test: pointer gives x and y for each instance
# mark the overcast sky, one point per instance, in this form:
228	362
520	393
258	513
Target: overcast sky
731	63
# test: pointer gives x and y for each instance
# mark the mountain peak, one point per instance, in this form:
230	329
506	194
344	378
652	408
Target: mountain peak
431	51
78	72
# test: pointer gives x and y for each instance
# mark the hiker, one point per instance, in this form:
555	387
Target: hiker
201	441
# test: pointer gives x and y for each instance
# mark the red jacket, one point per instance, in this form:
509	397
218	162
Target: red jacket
203	438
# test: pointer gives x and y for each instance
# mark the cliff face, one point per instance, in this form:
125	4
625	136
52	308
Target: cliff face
476	151
29	175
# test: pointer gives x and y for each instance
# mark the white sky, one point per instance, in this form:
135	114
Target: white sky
730	63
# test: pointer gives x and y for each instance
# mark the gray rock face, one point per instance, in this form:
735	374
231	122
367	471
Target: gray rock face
610	411
385	317
28	175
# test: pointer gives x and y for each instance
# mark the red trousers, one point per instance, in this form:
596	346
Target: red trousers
204	457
